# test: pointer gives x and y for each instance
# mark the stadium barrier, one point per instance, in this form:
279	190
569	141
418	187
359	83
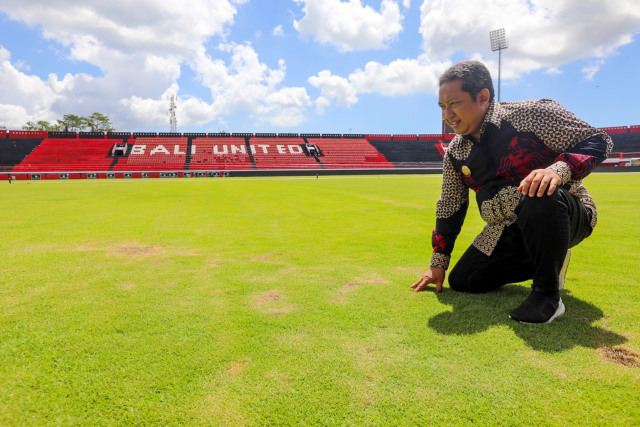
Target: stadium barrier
63	135
92	135
615	129
405	137
27	134
92	155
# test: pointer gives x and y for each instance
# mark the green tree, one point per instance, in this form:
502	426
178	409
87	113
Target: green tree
72	123
96	122
99	122
41	125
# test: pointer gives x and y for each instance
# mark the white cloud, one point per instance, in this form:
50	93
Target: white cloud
128	27
540	33
36	96
248	85
333	88
189	111
553	71
14	116
400	77
592	69
350	25
140	48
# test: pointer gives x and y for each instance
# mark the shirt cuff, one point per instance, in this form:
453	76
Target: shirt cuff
563	170
440	260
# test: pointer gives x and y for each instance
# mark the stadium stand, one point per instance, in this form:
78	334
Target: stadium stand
66	155
409	153
153	153
62	155
626	146
281	153
220	153
14	151
350	153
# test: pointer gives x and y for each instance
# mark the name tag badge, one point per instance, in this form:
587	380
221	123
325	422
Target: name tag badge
466	171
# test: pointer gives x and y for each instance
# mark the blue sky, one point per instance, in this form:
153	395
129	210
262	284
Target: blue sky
327	66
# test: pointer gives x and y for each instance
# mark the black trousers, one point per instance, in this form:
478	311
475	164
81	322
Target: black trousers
534	247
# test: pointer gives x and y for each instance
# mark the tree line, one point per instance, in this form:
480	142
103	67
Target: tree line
96	122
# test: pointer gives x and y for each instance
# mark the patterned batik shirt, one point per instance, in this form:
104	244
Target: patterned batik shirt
516	138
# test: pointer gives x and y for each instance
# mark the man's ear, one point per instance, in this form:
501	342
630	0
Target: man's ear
483	96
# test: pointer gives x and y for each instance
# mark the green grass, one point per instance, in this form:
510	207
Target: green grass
287	301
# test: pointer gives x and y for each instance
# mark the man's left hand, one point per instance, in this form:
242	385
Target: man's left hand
539	181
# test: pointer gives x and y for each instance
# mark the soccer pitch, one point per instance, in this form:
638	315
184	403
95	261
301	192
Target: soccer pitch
286	301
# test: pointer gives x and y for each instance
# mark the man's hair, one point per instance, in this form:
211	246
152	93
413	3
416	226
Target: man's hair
475	76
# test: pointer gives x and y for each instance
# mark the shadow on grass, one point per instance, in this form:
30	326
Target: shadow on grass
474	313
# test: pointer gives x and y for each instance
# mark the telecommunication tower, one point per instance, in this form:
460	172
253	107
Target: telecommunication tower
173	122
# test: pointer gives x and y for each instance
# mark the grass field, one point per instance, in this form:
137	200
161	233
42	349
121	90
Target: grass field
287	302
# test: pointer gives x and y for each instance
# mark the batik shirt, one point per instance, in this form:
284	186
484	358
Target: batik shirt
516	138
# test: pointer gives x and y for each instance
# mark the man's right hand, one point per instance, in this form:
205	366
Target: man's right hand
434	275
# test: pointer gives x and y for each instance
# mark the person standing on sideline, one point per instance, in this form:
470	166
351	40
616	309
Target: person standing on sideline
525	161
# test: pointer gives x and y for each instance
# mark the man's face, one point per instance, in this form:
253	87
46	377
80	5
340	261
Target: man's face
464	114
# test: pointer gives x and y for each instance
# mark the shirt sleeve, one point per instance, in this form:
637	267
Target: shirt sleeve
579	161
450	213
580	147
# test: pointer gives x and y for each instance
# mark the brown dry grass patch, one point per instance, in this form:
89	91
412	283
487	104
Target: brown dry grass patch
134	249
347	287
267	258
271	302
126	249
621	355
374	279
237	367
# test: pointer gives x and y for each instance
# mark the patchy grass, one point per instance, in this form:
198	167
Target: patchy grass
286	301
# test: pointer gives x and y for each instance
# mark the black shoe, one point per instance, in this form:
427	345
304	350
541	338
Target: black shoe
538	308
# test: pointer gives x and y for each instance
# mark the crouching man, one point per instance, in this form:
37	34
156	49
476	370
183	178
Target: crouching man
526	162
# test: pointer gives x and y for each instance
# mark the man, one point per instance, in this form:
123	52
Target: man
525	161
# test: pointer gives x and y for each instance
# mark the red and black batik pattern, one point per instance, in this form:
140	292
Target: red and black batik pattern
516	138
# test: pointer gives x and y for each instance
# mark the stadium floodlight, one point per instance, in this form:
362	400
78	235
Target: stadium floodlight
498	42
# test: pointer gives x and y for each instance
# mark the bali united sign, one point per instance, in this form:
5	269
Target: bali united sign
219	149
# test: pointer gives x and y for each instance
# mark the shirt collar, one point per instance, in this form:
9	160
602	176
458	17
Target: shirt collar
493	116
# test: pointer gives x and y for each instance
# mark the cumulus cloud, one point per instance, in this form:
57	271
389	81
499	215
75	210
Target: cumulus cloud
248	85
540	33
128	27
349	25
553	71
36	95
333	89
143	50
140	49
591	69
400	77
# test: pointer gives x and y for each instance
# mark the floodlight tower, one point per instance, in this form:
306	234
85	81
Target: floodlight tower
499	43
173	122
